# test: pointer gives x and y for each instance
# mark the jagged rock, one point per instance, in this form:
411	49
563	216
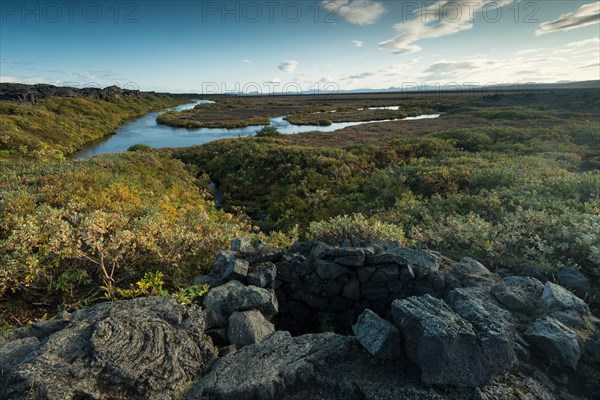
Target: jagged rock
386	258
378	336
557	298
494	327
242	245
264	277
422	261
248	327
466	273
233	296
555	340
223	258
269	369
442	343
574	280
518	293
267	255
148	348
235	270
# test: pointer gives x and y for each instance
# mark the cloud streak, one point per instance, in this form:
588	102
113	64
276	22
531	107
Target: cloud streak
357	43
587	14
440	19
358	12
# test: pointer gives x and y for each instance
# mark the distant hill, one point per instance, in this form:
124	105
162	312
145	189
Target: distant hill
33	93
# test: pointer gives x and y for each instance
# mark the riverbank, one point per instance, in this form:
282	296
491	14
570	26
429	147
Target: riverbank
49	128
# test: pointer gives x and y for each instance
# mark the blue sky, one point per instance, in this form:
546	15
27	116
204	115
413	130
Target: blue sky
195	46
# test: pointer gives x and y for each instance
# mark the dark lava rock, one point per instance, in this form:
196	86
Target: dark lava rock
248	327
557	298
574	280
148	348
233	296
441	342
555	340
269	369
378	336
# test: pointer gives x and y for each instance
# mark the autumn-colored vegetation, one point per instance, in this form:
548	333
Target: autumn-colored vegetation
56	127
513	181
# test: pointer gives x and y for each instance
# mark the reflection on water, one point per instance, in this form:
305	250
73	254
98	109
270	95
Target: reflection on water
145	130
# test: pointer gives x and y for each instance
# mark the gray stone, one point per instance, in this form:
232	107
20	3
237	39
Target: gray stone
467	273
493	325
270	369
378	336
242	245
236	269
351	261
557	298
147	348
574	280
267	255
330	270
384	273
319	250
264	277
442	343
518	293
352	290
248	327
422	261
436	281
223	258
233	296
555	340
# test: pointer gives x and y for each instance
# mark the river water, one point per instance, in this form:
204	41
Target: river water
145	130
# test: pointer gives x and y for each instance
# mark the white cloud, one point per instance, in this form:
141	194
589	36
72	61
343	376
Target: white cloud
288	66
274	81
587	14
29	80
358	12
358	43
442	18
247	61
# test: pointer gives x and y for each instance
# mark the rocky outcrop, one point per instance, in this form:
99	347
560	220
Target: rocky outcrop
34	93
416	325
149	348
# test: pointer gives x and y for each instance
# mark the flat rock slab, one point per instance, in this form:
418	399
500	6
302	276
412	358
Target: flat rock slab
269	369
148	348
422	261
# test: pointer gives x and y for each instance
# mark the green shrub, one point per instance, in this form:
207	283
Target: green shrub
268	131
355	229
139	147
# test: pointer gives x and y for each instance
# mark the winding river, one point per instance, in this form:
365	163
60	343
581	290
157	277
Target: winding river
146	130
